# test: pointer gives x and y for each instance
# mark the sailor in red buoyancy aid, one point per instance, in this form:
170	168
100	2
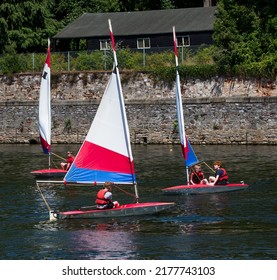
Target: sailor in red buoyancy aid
104	197
220	177
197	176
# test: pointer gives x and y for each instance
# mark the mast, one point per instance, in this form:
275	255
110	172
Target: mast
125	123
49	103
179	107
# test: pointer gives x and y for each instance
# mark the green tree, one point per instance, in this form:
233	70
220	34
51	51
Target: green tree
28	24
68	10
11	62
245	33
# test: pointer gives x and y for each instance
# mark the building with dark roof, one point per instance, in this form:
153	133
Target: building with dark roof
141	30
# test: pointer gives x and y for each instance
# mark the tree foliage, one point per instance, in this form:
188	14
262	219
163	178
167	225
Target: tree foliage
28	23
246	35
245	32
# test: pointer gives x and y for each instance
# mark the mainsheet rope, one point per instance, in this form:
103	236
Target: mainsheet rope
57	156
43	197
128	193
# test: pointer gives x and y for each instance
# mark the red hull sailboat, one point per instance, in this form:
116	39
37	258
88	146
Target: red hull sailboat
190	158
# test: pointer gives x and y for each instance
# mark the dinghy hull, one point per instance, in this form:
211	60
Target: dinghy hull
202	189
134	209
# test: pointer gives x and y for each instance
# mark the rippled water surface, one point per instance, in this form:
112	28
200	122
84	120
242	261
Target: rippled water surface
238	225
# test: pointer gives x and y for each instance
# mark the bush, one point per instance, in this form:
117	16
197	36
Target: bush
186	72
204	64
91	61
11	62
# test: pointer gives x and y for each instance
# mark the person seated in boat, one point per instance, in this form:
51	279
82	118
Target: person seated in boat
220	177
70	158
104	197
197	176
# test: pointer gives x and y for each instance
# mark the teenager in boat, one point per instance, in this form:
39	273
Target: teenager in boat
197	176
104	197
220	177
69	161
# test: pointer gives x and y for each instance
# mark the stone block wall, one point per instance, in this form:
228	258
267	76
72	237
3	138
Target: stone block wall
219	111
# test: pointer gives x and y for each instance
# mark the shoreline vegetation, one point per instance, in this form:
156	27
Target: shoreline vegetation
244	40
200	64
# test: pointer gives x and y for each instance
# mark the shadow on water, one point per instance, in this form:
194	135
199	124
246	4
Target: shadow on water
238	225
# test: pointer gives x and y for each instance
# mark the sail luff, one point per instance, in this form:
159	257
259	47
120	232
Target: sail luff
179	107
45	105
122	104
188	153
175	47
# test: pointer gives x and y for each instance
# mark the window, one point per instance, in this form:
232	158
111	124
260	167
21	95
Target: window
143	43
105	45
183	41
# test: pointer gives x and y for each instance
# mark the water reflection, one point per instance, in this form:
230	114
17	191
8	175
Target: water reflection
105	242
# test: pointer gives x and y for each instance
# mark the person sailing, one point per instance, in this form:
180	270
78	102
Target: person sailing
70	158
197	176
104	197
220	177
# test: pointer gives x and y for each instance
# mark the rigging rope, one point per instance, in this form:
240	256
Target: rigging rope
58	156
128	193
54	163
208	166
43	197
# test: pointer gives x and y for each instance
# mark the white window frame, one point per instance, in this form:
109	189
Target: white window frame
144	45
183	41
105	44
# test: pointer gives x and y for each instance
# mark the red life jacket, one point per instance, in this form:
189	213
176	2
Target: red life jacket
197	177
100	197
224	176
70	159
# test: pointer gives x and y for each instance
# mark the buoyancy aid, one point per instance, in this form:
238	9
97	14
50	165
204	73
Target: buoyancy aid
197	177
100	197
224	176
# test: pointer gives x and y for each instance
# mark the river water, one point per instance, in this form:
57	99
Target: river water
239	225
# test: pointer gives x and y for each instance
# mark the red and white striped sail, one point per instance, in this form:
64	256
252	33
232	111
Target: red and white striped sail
45	106
188	153
106	152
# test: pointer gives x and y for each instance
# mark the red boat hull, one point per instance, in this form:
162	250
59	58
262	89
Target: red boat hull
49	173
202	189
125	210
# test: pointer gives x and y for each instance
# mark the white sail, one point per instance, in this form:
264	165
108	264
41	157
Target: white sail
45	105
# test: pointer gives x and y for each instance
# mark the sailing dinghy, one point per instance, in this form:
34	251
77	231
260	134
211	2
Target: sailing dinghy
190	158
106	155
45	121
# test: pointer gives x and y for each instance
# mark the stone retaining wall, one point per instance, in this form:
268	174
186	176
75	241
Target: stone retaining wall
216	112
